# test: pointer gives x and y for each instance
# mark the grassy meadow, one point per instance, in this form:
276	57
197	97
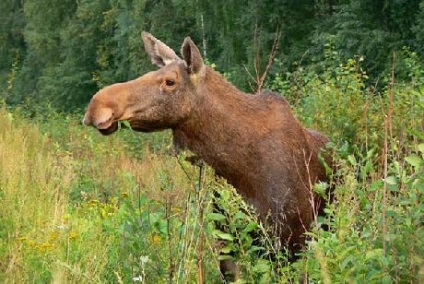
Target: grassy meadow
78	207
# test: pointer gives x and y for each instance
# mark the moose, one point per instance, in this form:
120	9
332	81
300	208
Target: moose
253	141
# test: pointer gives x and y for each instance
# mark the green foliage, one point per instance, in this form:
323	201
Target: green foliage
418	29
244	239
62	55
375	230
373	29
339	102
11	37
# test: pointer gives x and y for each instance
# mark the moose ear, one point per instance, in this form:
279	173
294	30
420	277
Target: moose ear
192	57
160	53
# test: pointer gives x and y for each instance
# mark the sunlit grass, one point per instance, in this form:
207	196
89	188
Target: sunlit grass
33	200
79	209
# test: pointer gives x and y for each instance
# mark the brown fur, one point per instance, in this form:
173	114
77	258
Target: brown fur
253	141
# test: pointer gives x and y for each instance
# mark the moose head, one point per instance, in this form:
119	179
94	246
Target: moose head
158	100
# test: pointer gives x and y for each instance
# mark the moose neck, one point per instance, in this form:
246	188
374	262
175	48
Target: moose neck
218	131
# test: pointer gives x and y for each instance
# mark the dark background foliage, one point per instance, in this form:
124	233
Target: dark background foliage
59	53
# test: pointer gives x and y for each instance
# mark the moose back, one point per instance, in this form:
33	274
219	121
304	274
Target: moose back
253	141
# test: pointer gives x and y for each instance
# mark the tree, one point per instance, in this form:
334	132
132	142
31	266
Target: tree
62	52
370	28
12	44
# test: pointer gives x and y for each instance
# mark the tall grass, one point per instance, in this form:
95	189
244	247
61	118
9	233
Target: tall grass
76	208
33	200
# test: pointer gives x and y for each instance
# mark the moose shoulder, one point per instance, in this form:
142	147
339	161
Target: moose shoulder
253	141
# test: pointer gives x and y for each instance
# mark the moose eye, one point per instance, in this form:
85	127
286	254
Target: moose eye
170	83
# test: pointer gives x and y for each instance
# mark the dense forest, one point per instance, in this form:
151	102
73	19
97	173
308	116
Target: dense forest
60	52
79	207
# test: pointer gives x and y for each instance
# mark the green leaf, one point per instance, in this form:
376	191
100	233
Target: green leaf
126	123
221	235
391	180
414	160
240	215
250	227
376	185
163	227
226	249
347	262
224	257
216	217
255	248
374	254
261	267
421	147
352	160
